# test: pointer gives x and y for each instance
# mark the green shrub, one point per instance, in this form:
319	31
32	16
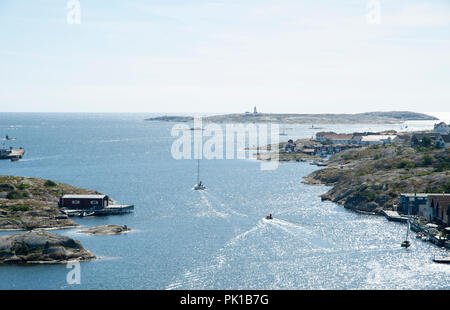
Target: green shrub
405	164
427	160
22	248
50	183
23	186
15	208
426	142
442	164
15	194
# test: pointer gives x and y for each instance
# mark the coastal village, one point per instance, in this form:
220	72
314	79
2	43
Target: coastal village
428	212
329	143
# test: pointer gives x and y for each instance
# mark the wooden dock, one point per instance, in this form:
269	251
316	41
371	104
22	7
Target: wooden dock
394	216
441	260
11	153
115	209
109	210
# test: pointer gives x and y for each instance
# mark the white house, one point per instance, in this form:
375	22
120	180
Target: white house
378	139
442	128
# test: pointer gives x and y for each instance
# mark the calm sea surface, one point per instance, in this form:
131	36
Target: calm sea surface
217	239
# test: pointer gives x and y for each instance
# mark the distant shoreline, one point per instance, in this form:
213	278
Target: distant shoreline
393	117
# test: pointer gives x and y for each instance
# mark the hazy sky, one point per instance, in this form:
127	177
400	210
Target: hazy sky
225	56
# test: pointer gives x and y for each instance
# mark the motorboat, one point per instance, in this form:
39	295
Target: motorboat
406	244
269	216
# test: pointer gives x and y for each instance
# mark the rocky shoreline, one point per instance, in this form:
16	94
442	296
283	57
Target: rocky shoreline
371	179
32	203
106	230
41	247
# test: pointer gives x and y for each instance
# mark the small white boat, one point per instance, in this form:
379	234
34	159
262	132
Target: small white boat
84	214
8	138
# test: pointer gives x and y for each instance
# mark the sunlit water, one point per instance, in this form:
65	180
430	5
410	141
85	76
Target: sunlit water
217	239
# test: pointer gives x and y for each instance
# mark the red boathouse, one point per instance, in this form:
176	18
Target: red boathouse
83	202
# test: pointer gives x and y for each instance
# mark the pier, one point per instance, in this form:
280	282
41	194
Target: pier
394	216
13	154
109	210
114	210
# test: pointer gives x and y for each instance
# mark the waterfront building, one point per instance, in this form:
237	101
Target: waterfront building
83	202
416	203
439	208
378	139
335	137
442	128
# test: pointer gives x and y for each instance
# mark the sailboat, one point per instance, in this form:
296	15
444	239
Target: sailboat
199	186
407	243
8	138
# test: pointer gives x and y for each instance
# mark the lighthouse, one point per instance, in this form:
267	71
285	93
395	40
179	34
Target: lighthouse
255	111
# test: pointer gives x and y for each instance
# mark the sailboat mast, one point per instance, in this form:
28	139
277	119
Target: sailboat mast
198	171
409	216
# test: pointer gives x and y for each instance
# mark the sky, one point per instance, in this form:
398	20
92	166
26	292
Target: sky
220	56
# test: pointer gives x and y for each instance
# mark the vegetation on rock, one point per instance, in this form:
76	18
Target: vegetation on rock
29	203
371	179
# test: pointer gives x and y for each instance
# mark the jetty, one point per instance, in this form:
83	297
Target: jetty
115	210
109	210
441	260
12	154
394	216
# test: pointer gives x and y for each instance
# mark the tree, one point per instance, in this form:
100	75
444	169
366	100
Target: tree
426	142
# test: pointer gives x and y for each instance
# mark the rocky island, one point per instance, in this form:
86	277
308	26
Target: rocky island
393	117
30	203
106	230
370	179
41	247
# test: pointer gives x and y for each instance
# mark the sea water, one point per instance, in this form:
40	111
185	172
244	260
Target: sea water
214	239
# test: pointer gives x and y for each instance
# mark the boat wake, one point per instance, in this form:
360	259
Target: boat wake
210	211
298	231
263	244
200	275
215	207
